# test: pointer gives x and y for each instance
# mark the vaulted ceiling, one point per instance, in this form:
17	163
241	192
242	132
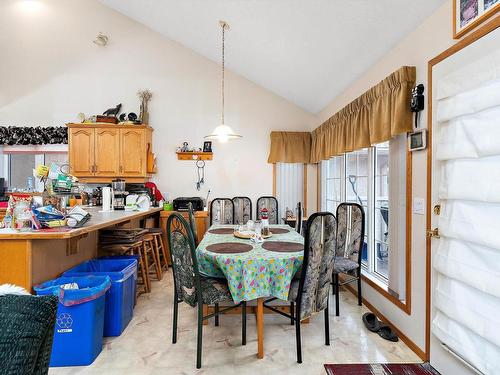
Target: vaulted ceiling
307	51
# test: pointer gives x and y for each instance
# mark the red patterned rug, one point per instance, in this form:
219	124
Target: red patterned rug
382	369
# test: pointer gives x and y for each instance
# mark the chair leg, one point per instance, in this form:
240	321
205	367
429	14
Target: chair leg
360	297
176	315
298	339
244	323
200	335
333	284
216	314
163	252
146	265
327	326
337	297
292	312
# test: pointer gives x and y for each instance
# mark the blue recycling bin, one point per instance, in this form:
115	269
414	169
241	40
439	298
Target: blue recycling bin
128	256
121	297
79	325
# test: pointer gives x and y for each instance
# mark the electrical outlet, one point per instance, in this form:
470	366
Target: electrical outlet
419	206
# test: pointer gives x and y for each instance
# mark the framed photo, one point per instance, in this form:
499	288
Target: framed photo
207	146
417	140
468	14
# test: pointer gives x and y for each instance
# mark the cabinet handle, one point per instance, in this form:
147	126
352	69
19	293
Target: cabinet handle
121	169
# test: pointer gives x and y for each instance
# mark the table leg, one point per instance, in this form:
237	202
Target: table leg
260	328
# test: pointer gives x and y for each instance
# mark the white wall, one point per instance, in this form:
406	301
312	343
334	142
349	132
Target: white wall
432	37
50	71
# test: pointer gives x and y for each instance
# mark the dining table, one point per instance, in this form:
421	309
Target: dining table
254	270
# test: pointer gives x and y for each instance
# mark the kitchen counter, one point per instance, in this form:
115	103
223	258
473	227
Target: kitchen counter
30	258
97	221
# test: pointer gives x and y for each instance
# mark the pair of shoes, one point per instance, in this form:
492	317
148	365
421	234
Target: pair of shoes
374	325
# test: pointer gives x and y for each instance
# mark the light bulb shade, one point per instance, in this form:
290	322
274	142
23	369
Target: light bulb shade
222	133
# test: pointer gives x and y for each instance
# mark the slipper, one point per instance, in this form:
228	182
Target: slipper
371	322
387	333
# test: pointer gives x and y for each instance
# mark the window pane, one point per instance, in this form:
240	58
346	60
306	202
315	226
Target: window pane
356	186
20	168
382	208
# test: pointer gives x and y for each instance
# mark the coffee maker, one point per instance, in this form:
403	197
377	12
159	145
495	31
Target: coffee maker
119	194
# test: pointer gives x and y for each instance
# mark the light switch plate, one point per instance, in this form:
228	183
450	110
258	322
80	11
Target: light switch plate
419	206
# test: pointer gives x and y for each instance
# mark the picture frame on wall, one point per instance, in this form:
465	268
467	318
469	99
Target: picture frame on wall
468	14
207	146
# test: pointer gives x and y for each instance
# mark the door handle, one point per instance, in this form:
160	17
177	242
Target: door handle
433	233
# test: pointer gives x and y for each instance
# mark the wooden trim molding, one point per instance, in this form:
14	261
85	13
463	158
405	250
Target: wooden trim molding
471	38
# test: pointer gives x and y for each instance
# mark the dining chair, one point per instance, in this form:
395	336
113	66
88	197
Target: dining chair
298	218
192	223
350	239
26	333
309	294
191	287
242	210
221	211
271	203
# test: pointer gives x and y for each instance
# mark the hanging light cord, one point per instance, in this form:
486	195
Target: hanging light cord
224	26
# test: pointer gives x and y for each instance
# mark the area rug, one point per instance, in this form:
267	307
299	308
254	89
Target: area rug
381	369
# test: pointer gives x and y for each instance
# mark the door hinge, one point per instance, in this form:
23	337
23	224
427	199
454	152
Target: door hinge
433	233
437	209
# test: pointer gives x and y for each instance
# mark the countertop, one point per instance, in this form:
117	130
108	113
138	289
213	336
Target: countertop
98	221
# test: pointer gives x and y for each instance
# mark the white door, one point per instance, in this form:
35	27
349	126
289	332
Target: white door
465	277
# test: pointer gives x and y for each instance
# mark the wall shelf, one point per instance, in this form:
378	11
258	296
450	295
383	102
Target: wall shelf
196	155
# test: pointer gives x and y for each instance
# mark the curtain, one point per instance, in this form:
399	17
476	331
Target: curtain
376	116
397	216
289	186
467	262
290	147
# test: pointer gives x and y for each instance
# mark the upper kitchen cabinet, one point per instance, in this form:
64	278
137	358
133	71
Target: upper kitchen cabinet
81	151
101	152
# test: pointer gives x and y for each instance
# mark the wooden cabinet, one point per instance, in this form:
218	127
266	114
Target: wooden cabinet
200	218
107	148
81	151
133	157
101	152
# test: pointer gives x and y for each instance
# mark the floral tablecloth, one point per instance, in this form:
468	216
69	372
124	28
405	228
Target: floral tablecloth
254	274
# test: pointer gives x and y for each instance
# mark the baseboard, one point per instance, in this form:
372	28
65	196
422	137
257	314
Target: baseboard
421	354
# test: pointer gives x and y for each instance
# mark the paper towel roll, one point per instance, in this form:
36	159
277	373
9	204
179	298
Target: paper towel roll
106	199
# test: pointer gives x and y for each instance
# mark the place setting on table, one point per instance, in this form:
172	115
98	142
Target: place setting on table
257	259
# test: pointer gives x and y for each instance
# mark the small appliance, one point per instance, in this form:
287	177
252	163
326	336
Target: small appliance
119	194
181	203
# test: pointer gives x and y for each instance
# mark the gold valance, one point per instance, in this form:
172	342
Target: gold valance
290	147
376	116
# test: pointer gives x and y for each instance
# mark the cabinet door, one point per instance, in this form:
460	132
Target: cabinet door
107	152
133	153
81	152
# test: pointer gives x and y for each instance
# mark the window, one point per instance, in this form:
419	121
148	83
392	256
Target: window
375	178
18	167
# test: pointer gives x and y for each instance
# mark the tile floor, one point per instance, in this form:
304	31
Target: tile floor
145	347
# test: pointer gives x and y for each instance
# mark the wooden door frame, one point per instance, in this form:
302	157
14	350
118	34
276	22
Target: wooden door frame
471	38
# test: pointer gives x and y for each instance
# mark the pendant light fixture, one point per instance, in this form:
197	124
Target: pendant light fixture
223	132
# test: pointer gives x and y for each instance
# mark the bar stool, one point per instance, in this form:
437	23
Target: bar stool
159	247
137	249
151	256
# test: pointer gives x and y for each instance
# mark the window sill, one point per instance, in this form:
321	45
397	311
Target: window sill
382	288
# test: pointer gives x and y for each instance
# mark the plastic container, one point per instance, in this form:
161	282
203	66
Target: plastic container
130	256
80	319
121	297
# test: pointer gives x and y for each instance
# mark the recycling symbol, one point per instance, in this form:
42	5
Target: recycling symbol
64	321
